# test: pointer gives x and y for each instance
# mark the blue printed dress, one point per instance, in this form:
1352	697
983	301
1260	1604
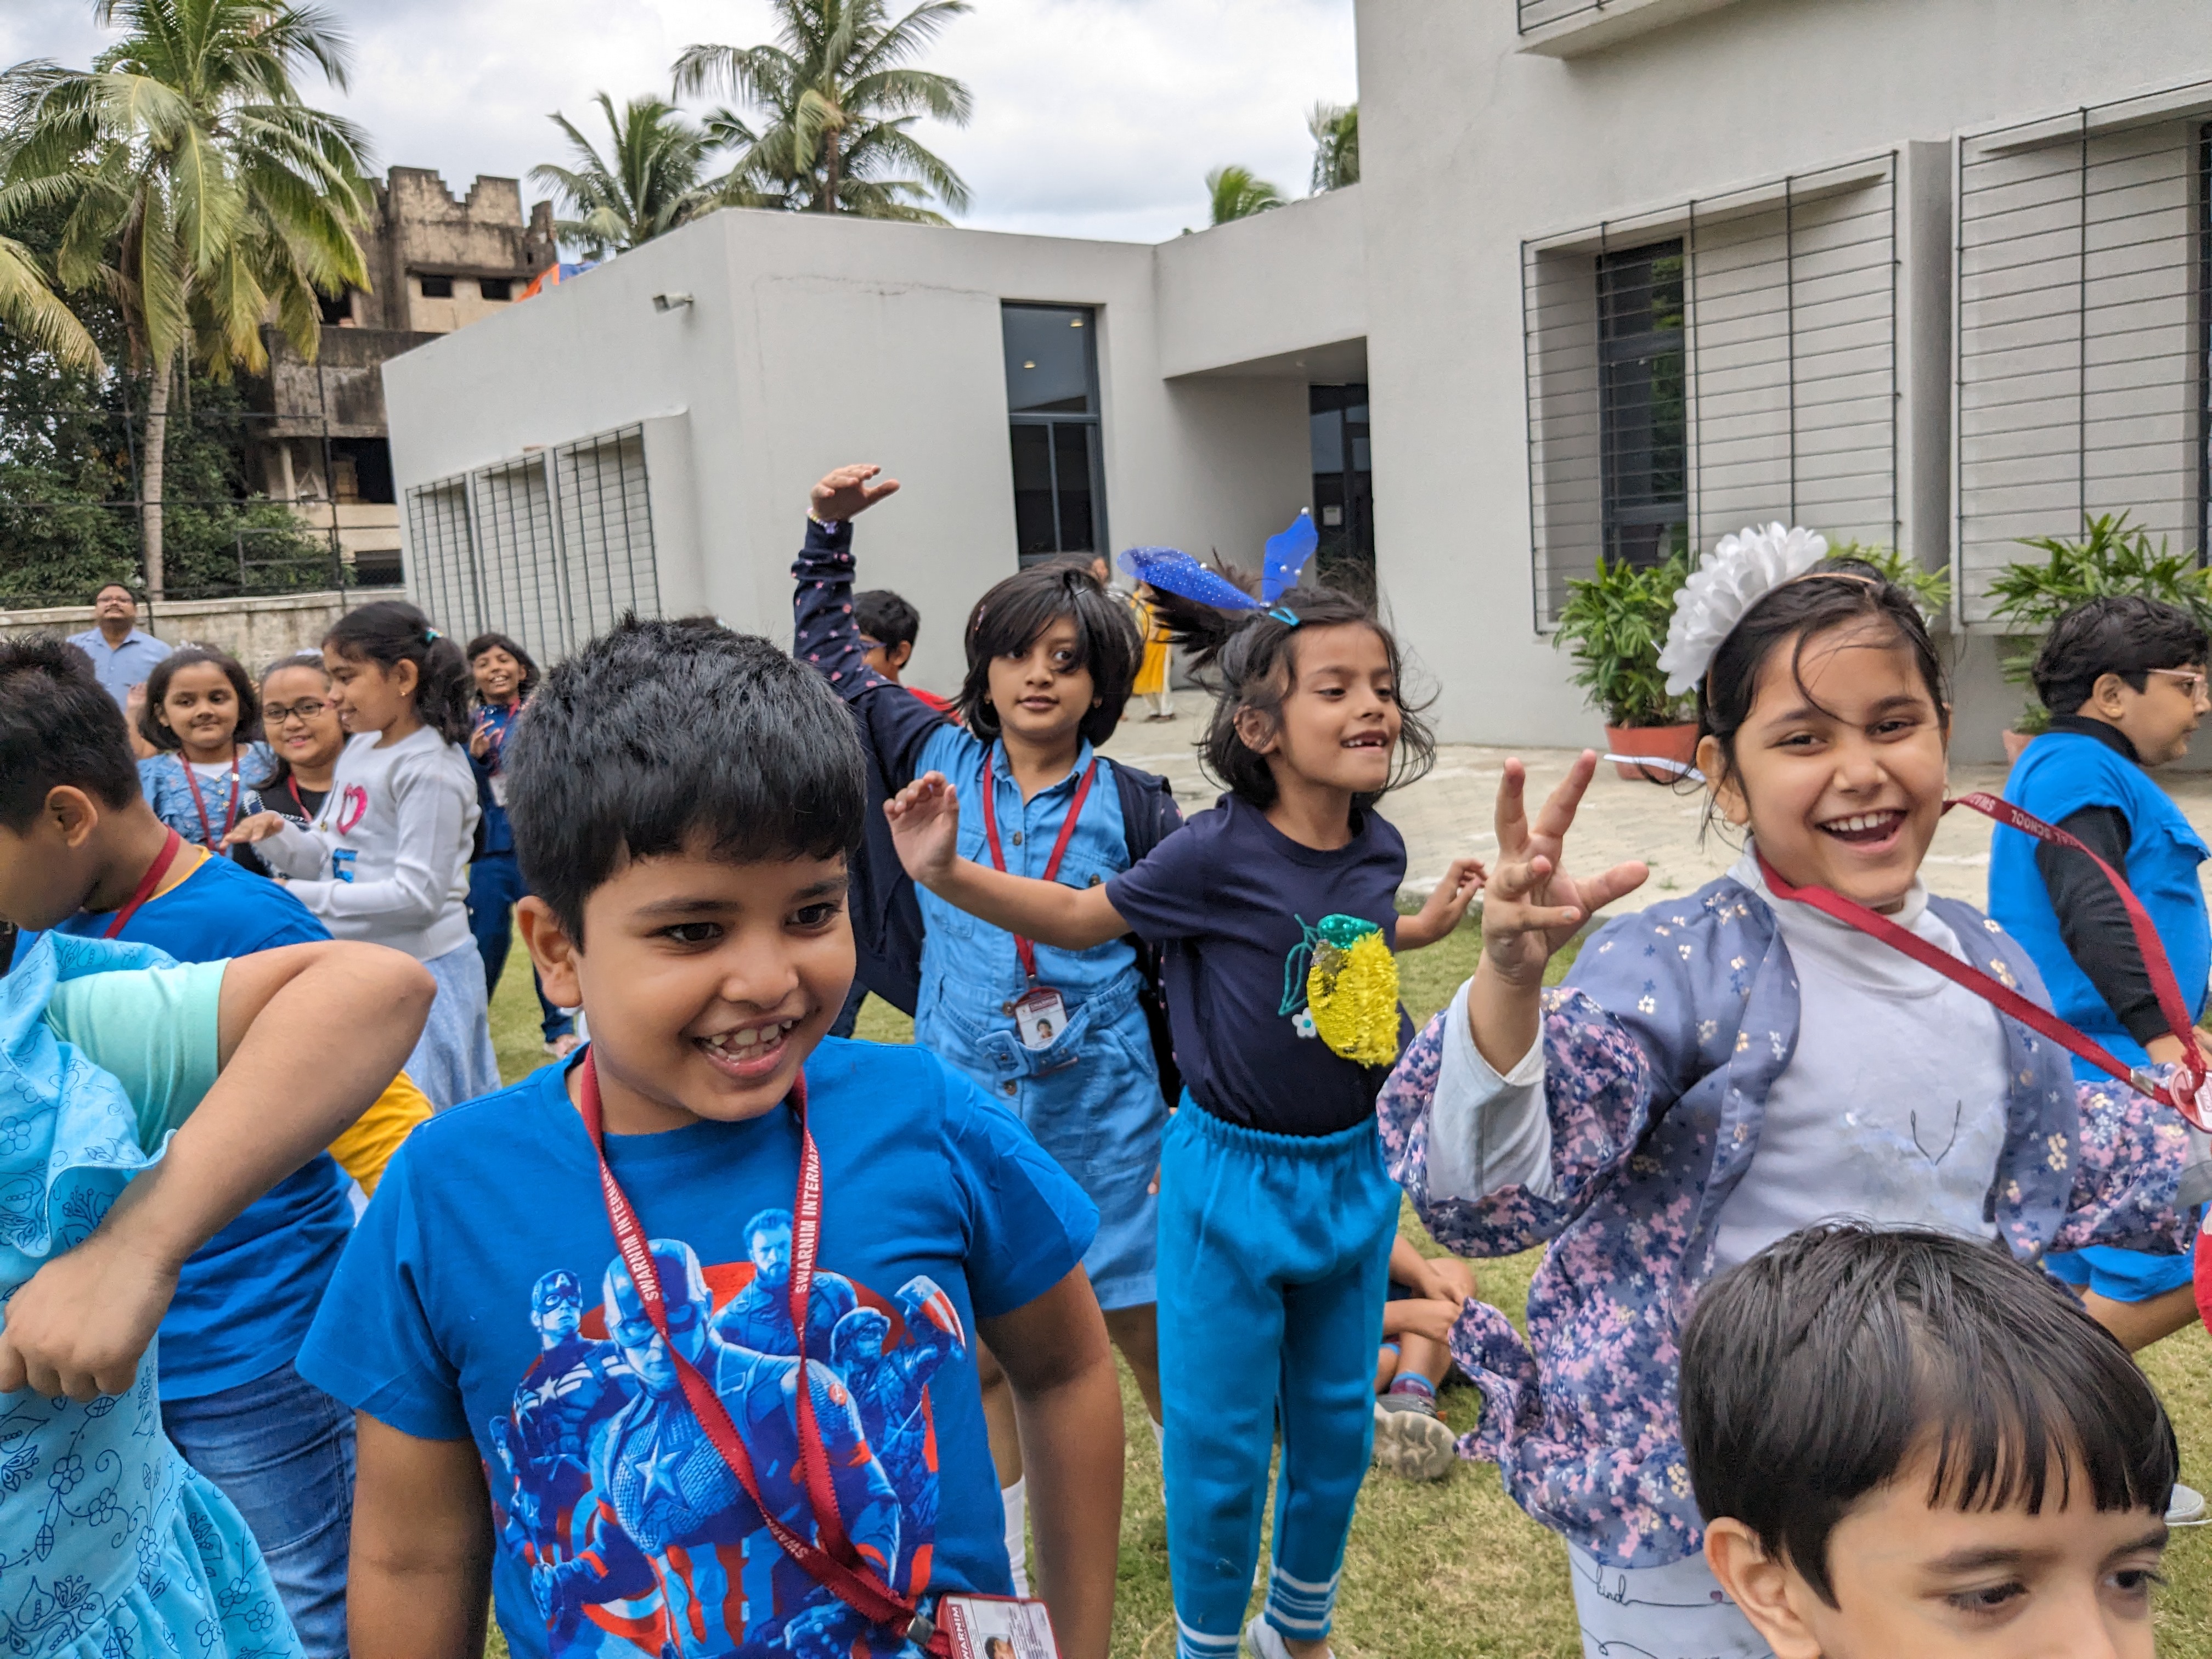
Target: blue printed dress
169	793
110	1544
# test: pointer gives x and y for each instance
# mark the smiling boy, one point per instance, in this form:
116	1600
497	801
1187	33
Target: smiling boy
682	800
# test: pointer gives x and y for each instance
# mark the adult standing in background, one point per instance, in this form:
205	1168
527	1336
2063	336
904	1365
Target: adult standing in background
122	653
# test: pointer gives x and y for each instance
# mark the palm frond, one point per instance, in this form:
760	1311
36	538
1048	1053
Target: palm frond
30	308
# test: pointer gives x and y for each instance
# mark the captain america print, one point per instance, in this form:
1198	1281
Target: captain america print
639	1537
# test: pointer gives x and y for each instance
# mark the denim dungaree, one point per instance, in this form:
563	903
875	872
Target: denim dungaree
1092	1098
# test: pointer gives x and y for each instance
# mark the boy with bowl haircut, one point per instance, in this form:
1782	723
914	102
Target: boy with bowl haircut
683	798
1903	1442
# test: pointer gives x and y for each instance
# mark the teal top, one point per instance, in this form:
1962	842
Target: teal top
154	1031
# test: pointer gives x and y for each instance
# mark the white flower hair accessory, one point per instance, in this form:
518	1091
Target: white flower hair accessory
1727	582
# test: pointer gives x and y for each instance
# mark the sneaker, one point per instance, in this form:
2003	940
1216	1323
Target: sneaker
1263	1641
2186	1507
563	1045
1411	1439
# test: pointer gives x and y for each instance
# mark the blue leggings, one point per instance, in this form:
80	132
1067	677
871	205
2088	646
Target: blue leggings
1274	1263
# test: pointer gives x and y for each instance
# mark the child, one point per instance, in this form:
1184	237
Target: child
1727	1067
1907	1443
1062	1040
1426	1298
198	703
231	1400
384	861
505	676
2124	678
1276	1216
300	723
682	797
888	627
1159	650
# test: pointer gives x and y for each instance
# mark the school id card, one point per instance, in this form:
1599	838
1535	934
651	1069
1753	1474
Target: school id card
997	1627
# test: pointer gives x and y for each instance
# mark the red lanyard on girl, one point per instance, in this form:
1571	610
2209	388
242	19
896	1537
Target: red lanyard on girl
147	883
834	1564
230	818
2181	1092
1040	1015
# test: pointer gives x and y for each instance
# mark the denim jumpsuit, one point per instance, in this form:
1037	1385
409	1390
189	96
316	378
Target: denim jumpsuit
1092	1098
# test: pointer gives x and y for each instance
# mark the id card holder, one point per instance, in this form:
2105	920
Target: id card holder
1040	1017
997	1627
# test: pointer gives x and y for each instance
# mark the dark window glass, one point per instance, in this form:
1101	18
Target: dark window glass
335	311
369	461
1072	443
1343	486
1036	529
1643	410
494	287
1052	400
1049	365
437	288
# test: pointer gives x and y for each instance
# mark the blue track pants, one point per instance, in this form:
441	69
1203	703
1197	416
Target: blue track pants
1274	1265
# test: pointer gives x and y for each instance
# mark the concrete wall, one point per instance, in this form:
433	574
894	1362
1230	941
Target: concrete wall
255	631
1257	294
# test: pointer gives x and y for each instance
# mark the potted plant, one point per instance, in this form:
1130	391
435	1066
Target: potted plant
1615	622
2110	556
1931	589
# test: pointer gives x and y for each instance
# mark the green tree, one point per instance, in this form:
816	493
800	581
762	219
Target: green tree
838	98
1335	129
649	181
201	195
1236	194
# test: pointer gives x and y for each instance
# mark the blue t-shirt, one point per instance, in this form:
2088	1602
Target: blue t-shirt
246	1297
1236	900
482	1296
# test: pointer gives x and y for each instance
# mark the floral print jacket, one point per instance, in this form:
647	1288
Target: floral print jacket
1659	1053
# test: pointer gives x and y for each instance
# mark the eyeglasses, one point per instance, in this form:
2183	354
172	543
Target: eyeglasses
2191	680
307	709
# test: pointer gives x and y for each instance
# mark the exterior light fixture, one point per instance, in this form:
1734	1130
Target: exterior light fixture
670	301
1029	365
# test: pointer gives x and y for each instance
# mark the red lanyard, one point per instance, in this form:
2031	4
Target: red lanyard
1022	947
835	1565
2180	1093
230	818
147	883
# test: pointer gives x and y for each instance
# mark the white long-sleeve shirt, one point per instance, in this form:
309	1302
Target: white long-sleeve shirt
407	815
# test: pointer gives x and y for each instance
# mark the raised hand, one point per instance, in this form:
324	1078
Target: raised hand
1532	906
1446	904
924	819
847	492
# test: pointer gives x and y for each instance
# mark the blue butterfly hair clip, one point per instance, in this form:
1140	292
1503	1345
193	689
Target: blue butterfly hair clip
1174	571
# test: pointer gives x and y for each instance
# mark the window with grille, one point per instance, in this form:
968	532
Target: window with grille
1052	401
1726	362
2083	250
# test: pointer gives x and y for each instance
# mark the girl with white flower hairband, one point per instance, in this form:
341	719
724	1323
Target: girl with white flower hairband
1723	1069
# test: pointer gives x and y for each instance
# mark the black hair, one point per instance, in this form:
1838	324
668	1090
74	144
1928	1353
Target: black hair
58	726
1248	660
391	631
886	617
280	769
658	735
157	732
1834	593
113	581
528	664
1007	620
1816	1372
2122	634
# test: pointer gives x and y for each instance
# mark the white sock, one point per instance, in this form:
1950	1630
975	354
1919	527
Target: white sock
1159	1437
1015	1497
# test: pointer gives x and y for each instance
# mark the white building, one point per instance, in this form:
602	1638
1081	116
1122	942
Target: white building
1927	273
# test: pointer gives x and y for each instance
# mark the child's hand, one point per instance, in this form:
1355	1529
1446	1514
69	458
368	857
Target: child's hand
1532	906
255	826
80	1324
847	493
1445	906
925	819
1430	1318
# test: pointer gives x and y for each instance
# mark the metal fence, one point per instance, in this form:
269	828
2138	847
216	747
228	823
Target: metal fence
2082	281
1535	14
551	547
1728	361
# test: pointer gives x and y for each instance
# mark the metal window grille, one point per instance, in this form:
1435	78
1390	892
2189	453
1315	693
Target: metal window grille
1535	14
2082	257
1785	395
551	548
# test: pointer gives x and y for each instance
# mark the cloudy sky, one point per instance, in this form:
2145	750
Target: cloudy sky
1094	117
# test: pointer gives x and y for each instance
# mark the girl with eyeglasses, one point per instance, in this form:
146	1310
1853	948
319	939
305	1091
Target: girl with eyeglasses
304	734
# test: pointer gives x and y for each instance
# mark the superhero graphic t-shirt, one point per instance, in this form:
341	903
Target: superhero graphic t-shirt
482	1295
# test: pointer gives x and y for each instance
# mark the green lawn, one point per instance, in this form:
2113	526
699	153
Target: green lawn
1453	1570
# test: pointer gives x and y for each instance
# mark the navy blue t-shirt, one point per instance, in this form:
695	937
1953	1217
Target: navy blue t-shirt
482	1296
245	1298
1233	898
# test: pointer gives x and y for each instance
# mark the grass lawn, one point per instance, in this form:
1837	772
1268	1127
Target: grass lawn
1453	1570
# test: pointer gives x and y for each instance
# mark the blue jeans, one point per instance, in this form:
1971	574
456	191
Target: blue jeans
282	1450
494	885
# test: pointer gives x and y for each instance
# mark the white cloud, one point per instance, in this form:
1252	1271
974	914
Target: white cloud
1094	117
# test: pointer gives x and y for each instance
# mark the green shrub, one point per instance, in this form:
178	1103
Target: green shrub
1615	622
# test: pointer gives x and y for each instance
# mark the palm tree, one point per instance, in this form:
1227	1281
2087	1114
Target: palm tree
839	100
1237	195
201	193
1335	129
29	306
647	183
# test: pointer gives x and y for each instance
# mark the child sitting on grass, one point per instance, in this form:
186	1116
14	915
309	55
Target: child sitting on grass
683	799
1427	1296
1903	1442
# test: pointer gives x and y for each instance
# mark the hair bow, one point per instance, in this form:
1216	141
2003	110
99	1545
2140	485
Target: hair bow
1174	571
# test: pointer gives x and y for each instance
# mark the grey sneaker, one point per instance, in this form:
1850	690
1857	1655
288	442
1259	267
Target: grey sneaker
1263	1641
2186	1507
1411	1439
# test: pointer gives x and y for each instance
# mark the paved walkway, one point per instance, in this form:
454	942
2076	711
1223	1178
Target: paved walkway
1449	813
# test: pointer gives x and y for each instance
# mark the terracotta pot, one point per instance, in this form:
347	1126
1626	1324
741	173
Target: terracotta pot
2015	743
1673	742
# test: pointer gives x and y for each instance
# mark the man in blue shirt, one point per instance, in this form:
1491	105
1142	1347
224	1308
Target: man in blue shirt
121	655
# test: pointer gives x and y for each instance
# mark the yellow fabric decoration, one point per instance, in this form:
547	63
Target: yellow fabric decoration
1352	991
367	1146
